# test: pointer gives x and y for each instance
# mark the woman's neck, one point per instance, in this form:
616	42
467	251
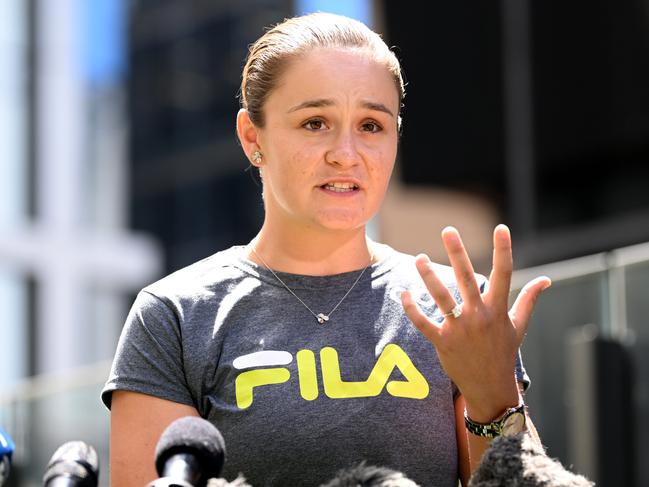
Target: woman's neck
315	253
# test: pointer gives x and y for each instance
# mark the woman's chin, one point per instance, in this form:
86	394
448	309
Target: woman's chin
342	221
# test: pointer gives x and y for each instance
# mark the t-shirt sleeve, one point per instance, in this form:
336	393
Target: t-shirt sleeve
521	373
149	354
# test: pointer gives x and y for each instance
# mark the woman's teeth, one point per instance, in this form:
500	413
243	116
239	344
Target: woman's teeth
340	187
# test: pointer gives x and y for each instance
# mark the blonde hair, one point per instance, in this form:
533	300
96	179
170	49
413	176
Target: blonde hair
296	36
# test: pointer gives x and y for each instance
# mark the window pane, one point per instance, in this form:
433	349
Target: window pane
637	288
566	305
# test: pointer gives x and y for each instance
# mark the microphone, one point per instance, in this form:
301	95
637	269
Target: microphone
240	481
74	464
369	476
519	460
190	451
6	451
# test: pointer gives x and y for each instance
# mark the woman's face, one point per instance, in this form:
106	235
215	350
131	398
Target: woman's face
329	142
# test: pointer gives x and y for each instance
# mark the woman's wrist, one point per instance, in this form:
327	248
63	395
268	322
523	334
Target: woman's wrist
485	408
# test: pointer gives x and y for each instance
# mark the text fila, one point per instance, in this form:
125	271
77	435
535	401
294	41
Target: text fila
414	386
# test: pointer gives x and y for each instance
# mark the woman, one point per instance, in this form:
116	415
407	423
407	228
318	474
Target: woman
300	346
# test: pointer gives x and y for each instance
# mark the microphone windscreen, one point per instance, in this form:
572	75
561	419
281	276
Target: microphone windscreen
74	459
240	481
195	436
369	476
519	460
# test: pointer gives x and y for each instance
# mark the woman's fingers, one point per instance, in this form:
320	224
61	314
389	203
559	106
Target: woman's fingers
462	267
523	307
495	300
423	323
440	294
501	273
437	289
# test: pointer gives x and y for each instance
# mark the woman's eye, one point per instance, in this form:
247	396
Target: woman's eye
370	127
314	124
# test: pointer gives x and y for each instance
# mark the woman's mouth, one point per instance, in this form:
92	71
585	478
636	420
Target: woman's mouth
340	187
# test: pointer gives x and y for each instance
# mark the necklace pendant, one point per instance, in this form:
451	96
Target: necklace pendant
322	318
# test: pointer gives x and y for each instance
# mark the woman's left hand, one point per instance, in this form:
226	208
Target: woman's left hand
478	349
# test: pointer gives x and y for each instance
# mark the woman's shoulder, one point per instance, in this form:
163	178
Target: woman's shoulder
204	276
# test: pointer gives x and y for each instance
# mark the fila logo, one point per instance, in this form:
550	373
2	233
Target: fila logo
414	386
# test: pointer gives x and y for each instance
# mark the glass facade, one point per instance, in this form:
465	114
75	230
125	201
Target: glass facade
604	295
637	311
544	351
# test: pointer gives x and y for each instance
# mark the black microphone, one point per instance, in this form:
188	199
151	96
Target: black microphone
6	452
190	451
74	464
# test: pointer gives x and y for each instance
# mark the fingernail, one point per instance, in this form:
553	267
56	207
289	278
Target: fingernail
449	229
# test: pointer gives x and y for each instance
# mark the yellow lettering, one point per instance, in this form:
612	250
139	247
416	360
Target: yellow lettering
247	381
336	388
307	374
415	385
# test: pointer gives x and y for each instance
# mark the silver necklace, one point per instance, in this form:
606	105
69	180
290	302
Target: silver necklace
320	317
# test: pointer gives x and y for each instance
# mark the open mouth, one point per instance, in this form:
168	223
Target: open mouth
340	187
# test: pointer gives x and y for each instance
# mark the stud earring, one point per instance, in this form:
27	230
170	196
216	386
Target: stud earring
256	157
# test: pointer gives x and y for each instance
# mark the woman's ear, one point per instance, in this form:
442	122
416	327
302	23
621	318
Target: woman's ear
248	136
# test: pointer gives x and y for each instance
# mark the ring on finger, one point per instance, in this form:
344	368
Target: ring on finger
456	312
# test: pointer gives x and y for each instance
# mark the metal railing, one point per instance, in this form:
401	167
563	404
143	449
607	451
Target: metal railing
608	293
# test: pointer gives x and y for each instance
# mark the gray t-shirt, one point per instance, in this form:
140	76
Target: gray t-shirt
295	400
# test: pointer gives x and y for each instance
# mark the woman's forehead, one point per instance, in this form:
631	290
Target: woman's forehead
329	76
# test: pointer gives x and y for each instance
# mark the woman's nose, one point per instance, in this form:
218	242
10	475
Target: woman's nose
344	152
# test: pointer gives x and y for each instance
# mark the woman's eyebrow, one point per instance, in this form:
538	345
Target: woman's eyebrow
317	103
325	102
380	107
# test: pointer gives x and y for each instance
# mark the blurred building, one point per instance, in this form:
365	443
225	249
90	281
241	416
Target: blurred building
120	163
69	260
539	110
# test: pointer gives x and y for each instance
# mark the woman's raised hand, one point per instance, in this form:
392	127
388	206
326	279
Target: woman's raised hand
478	348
